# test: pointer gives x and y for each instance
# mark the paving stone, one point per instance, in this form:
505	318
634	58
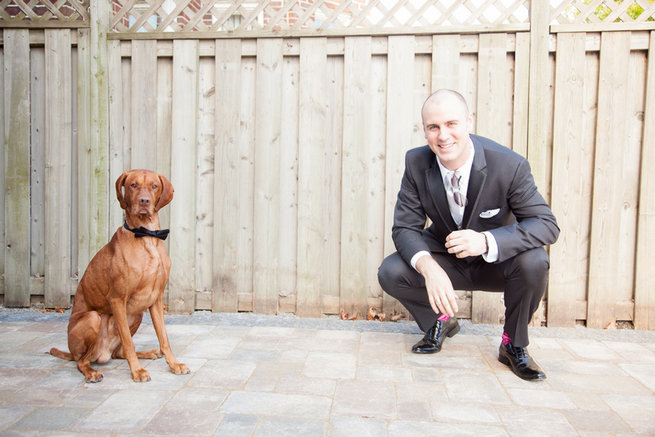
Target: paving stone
222	373
420	391
596	421
413	410
636	411
12	414
538	397
125	411
606	384
644	373
475	387
330	365
464	412
276	404
384	373
256	355
413	429
289	427
632	352
183	420
538	422
588	401
211	347
589	350
306	386
237	425
202	399
51	419
366	399
342	426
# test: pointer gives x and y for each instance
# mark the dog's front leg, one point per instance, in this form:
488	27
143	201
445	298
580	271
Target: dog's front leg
157	316
119	309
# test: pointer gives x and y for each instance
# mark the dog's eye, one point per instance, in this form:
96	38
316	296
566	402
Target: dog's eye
154	186
133	185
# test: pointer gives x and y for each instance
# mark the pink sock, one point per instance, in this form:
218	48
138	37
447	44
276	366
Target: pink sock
443	318
506	338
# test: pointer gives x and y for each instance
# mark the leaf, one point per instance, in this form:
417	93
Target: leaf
344	315
374	315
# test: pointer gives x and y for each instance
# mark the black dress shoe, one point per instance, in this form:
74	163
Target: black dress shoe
434	337
519	361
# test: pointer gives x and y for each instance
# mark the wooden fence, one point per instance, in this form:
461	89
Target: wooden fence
284	138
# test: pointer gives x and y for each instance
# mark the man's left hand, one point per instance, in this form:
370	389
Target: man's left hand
466	242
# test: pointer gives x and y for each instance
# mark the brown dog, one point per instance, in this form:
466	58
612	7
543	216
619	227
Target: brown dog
123	279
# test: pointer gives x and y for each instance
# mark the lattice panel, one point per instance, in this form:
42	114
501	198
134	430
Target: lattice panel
44	10
602	11
310	15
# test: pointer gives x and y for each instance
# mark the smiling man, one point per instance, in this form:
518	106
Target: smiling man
489	226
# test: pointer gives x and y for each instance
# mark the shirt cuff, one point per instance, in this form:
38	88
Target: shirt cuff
415	258
492	248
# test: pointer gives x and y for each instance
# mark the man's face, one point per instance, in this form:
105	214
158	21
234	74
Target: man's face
446	125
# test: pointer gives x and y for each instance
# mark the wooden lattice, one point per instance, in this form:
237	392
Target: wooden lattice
44	11
310	15
603	11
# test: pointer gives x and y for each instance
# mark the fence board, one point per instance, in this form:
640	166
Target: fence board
357	113
58	200
492	66
570	183
330	299
17	170
205	188
288	233
375	188
644	273
604	273
117	134
521	93
84	153
181	294
2	172
313	176
37	158
445	62
144	104
226	175
267	174
164	128
400	123
246	142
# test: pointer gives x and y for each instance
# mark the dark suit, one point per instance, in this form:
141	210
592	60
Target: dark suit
502	199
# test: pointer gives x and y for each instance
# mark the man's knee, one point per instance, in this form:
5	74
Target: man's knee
533	263
392	273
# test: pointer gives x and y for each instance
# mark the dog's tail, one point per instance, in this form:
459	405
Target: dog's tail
61	354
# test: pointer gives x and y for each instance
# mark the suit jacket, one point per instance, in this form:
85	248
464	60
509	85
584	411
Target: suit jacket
502	199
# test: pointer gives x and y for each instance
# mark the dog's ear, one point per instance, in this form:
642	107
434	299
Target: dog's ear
166	193
120	182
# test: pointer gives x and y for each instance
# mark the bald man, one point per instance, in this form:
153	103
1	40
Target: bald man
489	226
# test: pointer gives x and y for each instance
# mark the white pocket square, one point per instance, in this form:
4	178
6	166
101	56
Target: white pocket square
489	213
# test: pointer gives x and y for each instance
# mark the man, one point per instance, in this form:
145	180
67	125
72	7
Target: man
488	228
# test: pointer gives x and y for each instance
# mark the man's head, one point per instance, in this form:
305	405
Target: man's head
447	123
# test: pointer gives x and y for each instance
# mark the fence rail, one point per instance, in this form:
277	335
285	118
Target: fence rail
286	151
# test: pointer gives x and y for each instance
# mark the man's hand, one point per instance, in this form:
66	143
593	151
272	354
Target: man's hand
441	295
466	243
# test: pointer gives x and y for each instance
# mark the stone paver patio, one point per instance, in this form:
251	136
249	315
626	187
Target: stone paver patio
254	375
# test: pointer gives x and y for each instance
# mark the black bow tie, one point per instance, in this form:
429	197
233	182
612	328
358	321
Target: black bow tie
143	232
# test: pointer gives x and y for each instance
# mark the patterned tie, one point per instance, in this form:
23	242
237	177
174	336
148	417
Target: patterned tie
457	194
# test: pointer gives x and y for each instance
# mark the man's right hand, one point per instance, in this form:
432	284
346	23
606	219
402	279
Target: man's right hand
441	295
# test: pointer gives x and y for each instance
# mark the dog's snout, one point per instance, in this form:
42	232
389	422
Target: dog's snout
144	201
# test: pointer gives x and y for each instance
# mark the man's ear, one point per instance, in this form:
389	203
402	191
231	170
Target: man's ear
166	193
120	182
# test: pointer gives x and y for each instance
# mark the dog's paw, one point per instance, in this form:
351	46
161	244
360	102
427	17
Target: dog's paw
141	375
93	376
180	369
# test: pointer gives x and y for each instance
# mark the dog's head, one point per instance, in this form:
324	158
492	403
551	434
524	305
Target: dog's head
143	192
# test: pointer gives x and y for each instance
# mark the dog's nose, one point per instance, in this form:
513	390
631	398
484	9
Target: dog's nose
144	201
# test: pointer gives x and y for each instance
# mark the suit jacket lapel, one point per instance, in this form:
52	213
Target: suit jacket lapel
438	193
476	183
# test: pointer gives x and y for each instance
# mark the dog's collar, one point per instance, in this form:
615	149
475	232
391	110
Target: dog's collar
143	232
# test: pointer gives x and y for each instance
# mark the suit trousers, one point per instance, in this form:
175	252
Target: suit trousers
522	279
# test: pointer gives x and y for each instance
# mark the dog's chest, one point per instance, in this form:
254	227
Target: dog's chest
153	276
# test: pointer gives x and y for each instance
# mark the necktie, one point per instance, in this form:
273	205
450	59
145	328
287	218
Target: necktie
459	198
